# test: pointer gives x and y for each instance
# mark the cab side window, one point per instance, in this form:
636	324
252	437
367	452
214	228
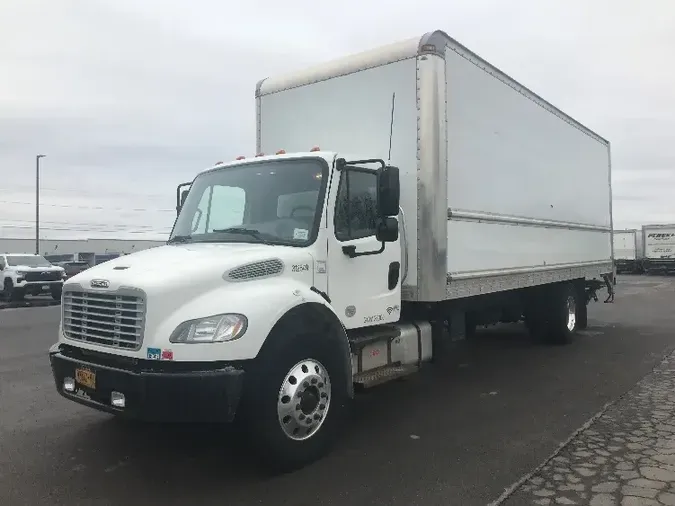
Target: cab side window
356	205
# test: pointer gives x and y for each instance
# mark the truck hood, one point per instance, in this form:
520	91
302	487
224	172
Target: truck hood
183	266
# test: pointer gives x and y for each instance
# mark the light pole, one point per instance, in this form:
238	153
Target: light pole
37	203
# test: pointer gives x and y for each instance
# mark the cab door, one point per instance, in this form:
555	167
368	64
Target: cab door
364	283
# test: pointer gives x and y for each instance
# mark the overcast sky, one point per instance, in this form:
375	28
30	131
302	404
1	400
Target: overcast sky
128	98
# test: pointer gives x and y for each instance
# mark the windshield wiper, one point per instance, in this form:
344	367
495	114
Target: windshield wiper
179	239
243	231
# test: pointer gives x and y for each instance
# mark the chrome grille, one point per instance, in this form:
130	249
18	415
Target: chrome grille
108	319
262	269
43	276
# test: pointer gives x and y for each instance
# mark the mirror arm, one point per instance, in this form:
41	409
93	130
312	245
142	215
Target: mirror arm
351	252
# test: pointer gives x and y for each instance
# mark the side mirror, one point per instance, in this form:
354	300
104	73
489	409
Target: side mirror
181	195
387	230
388	191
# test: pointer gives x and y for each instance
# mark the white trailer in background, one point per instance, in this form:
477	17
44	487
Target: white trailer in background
422	192
628	251
659	248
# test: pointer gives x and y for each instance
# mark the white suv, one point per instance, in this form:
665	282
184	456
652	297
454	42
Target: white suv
22	274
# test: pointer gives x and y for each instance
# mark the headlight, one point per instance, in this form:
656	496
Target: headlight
21	273
212	329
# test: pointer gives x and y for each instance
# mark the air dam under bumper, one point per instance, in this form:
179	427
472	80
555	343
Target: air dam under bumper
152	390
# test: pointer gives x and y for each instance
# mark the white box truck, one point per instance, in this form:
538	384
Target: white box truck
628	251
659	248
422	192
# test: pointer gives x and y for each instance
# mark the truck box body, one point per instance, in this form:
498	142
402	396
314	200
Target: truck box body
628	250
499	189
659	247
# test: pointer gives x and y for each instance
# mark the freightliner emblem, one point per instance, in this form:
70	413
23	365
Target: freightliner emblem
100	283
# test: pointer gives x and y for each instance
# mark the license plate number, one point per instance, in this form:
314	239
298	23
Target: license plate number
86	378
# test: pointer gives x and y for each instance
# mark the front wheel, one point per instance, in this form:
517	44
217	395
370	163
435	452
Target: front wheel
296	401
12	293
56	292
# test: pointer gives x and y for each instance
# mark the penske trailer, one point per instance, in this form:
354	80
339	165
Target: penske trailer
399	198
659	248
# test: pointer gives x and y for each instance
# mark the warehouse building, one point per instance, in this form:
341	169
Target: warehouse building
90	250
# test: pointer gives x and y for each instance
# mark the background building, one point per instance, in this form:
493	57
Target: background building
90	250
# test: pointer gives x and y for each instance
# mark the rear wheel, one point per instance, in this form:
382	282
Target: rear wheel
582	307
561	314
296	401
554	312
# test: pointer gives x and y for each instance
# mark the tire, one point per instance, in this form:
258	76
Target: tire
12	293
56	293
296	400
561	314
582	307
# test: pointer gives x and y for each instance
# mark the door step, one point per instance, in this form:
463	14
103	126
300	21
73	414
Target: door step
384	374
363	337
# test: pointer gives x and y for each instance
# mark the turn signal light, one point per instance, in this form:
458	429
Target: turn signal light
281	152
260	154
315	148
240	158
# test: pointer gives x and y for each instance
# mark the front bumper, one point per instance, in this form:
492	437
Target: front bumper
38	287
153	390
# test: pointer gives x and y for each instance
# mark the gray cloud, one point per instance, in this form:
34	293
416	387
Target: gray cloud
130	98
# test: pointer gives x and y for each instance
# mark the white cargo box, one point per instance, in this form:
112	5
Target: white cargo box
499	189
659	241
627	245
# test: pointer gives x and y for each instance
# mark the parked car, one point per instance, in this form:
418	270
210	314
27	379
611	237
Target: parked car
25	274
73	267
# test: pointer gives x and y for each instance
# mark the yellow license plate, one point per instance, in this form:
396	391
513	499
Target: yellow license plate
86	378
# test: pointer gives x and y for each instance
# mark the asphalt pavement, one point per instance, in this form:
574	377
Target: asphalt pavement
460	433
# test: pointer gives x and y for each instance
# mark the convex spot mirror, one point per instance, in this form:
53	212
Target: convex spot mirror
387	230
388	191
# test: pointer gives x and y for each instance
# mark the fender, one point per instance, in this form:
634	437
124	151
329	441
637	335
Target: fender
317	316
264	303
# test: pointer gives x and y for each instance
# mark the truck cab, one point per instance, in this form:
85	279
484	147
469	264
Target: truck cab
272	264
312	210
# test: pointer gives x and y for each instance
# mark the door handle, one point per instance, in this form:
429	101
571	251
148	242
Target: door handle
394	273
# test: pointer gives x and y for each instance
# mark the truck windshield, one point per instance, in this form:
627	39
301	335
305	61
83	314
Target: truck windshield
28	261
271	202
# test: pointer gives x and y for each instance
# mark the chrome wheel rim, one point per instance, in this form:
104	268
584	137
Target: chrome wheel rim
304	399
571	313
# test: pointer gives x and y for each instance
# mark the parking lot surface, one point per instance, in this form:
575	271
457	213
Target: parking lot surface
462	432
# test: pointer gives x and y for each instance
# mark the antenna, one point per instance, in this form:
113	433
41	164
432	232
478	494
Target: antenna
391	123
